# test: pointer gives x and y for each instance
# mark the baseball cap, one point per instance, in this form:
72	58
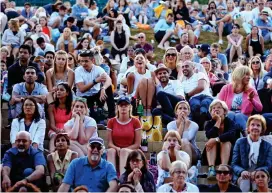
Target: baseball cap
96	140
123	99
205	48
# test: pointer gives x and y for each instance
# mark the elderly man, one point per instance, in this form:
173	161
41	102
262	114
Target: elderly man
23	163
264	23
168	94
197	92
97	174
142	43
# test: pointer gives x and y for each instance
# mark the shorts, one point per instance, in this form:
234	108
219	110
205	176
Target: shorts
159	35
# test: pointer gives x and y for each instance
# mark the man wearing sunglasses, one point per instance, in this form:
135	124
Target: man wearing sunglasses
223	177
43	47
142	43
94	84
92	171
168	94
23	163
28	89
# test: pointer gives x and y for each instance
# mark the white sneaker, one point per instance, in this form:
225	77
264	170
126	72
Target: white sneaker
212	22
220	42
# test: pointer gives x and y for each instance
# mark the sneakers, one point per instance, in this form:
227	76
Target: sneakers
213	23
220	42
211	173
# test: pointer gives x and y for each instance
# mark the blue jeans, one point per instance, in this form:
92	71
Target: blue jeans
200	104
268	118
239	119
168	103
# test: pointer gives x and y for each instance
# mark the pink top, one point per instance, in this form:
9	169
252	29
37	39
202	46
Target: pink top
212	78
60	117
226	94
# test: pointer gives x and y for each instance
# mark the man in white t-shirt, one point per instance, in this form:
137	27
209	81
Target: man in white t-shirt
197	92
94	84
168	94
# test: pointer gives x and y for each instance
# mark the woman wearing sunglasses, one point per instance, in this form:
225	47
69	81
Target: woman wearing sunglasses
59	112
81	127
178	172
29	120
137	173
251	153
59	160
124	134
223	177
170	60
262	179
254	43
257	67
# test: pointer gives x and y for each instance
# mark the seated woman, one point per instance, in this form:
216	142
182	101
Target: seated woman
84	44
240	97
119	39
170	153
13	37
254	43
124	134
66	42
45	28
187	130
235	42
171	59
257	78
59	112
29	120
222	134
251	153
59	160
72	62
137	173
140	83
179	172
60	72
262	178
81	127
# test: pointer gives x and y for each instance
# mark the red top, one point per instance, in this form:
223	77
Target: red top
46	30
60	117
123	134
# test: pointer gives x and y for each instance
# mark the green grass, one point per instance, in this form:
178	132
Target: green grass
205	37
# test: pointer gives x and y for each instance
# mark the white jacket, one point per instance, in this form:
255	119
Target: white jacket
36	130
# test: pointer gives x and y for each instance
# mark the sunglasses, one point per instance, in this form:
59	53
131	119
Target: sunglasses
222	172
255	62
80	99
97	146
141	37
173	55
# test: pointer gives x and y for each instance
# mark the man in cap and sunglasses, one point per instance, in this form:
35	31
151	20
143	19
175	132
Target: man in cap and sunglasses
97	174
223	177
168	93
264	22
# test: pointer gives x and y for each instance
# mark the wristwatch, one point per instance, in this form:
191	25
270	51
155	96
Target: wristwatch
94	82
217	139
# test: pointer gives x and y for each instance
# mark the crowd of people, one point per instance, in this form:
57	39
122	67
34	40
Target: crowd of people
66	69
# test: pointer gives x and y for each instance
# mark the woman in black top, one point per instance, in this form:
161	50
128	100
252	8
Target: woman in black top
254	43
181	12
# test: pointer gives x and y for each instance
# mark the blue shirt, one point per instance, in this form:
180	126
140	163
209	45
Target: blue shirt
18	162
262	23
221	57
96	179
162	25
77	10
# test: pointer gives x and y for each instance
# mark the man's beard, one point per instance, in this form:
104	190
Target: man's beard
21	150
94	157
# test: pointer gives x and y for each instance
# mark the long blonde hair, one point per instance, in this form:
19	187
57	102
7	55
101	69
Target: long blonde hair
62	35
261	70
177	58
60	52
14	24
237	76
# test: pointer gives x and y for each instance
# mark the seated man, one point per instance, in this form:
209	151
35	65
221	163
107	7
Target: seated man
215	53
197	91
264	23
23	163
184	41
203	51
28	89
168	94
92	171
57	18
164	29
142	43
43	47
94	84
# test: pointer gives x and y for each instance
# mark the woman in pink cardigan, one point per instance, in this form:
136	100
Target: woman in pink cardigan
240	97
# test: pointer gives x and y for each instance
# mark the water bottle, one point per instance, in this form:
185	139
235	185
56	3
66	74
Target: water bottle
144	143
198	166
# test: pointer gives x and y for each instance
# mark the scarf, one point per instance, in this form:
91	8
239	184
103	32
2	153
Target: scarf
254	151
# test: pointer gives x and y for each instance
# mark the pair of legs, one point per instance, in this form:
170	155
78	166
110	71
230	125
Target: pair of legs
145	90
77	147
221	25
235	50
225	148
143	19
188	148
51	142
70	46
119	57
13	50
112	156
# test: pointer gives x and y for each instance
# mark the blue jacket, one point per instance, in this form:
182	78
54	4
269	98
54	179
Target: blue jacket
240	157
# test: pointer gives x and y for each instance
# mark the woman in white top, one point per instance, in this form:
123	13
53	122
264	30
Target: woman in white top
187	130
170	152
179	172
257	67
81	127
29	120
141	82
